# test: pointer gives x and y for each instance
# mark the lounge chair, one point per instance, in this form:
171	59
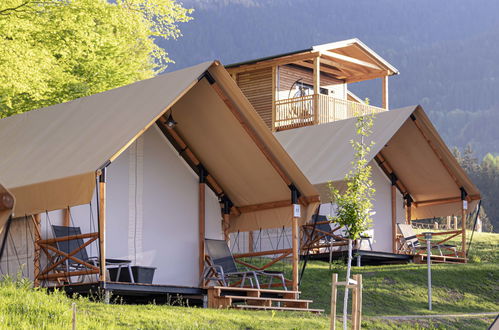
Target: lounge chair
221	267
71	245
411	242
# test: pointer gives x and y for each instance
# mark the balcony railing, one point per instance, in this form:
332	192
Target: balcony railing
317	109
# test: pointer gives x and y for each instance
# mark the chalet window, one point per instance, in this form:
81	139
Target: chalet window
302	89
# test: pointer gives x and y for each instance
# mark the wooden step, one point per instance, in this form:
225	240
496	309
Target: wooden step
270	308
235	288
265	298
266	301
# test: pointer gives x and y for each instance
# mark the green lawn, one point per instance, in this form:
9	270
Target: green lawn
388	290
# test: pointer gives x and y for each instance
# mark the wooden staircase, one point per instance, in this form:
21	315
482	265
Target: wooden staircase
258	299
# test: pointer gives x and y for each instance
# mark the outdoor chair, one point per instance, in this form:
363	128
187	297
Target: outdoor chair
412	245
222	267
73	244
320	232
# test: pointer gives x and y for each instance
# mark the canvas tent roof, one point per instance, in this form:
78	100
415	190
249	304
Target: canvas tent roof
50	156
418	157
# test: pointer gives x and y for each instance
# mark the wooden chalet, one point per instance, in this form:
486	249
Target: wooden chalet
309	86
147	172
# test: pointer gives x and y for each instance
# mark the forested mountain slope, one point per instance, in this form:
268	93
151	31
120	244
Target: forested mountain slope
446	51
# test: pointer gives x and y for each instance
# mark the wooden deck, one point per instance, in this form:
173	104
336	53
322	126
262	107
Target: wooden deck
138	293
371	258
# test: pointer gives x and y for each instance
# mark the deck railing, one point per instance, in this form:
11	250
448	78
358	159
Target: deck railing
317	109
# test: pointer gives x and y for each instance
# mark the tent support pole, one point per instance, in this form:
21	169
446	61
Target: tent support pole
408	208
67	220
394	212
37	251
464	208
295	234
227	205
202	215
384	92
102	225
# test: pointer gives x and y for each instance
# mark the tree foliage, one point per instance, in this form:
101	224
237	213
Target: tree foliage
354	205
54	51
485	174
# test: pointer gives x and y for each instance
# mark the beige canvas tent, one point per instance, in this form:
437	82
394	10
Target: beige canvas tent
56	158
407	149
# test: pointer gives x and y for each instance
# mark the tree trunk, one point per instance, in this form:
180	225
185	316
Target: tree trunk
345	299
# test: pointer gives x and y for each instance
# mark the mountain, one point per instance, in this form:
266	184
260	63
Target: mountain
446	51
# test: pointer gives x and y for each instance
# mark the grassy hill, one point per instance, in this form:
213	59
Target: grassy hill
388	290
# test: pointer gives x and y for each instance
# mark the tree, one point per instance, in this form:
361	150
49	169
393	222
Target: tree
354	205
485	175
54	51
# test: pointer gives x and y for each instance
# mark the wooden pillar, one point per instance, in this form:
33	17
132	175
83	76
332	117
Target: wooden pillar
394	213
226	206
317	87
334	289
295	236
463	228
102	225
67	217
37	251
275	89
202	217
384	88
448	223
408	207
296	256
454	222
226	227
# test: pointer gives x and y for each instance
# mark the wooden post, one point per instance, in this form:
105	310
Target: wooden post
394	213
37	251
353	318
73	305
384	88
454	220
226	217
408	206
463	230
67	218
226	227
102	225
295	253
317	87
202	216
448	223
334	293
359	300
274	96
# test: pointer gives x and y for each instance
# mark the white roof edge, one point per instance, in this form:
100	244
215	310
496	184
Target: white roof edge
369	51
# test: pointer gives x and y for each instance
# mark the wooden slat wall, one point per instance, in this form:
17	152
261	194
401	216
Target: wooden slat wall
288	74
257	87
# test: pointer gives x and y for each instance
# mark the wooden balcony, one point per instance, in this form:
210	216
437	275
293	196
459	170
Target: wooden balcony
316	109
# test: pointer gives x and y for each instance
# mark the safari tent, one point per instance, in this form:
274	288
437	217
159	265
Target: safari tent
414	173
147	172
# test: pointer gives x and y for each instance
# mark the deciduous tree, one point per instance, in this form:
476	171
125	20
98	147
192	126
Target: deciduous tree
54	51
